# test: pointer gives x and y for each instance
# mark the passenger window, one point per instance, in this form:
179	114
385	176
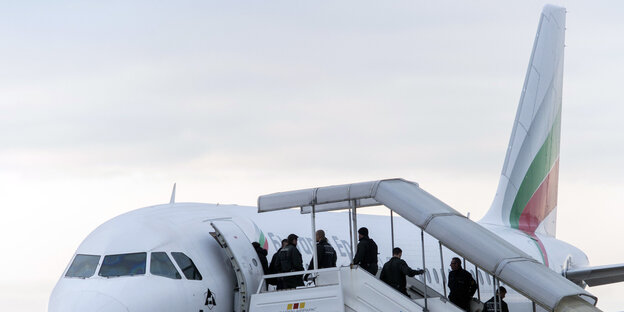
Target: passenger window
435	275
428	276
187	266
488	279
123	265
83	266
481	278
161	265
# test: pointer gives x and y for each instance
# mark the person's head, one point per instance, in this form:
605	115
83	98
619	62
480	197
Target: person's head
292	239
397	252
363	232
320	235
259	249
284	243
501	292
455	264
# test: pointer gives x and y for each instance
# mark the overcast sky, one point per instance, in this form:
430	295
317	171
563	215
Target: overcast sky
104	105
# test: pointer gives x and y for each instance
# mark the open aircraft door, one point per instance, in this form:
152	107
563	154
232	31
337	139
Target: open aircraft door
245	261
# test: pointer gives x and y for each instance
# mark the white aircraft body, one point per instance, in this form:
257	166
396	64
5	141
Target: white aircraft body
166	258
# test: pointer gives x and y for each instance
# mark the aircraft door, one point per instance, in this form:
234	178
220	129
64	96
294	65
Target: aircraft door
245	261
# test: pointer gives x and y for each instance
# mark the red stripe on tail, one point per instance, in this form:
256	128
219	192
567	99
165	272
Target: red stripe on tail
542	203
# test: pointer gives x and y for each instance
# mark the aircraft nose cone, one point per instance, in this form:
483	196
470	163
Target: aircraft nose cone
86	301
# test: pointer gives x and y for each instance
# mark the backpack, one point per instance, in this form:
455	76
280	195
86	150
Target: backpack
284	261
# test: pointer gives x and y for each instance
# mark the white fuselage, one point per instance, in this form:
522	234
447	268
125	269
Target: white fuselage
185	227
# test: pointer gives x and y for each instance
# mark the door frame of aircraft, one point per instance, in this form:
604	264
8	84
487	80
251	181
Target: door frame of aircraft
244	259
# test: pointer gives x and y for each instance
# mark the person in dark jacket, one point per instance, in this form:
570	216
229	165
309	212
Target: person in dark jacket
366	255
289	260
394	271
262	255
325	252
461	284
273	269
501	306
273	265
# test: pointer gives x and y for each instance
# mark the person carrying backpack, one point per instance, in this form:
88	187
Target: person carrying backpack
273	266
289	260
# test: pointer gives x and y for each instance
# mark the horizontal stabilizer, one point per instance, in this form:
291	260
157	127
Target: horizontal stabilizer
598	275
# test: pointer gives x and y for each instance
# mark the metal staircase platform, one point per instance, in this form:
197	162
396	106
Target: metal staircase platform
344	289
476	244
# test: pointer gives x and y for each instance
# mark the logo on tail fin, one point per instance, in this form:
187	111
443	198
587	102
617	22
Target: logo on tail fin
537	195
526	198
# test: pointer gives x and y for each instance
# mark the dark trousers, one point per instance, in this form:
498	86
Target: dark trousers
289	282
461	302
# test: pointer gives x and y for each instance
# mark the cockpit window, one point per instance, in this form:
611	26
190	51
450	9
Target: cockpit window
187	266
161	265
123	265
83	266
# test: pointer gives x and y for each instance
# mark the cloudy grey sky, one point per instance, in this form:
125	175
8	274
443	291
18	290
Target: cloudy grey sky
104	105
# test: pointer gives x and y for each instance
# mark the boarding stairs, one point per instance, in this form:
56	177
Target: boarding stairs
352	289
347	288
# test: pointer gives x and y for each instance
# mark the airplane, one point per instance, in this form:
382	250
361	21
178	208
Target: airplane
169	257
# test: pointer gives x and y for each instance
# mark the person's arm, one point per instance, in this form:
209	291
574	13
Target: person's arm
359	254
273	264
310	267
472	284
320	254
409	271
383	276
265	264
297	260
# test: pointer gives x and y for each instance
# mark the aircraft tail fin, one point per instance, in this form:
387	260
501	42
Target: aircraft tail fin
526	198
